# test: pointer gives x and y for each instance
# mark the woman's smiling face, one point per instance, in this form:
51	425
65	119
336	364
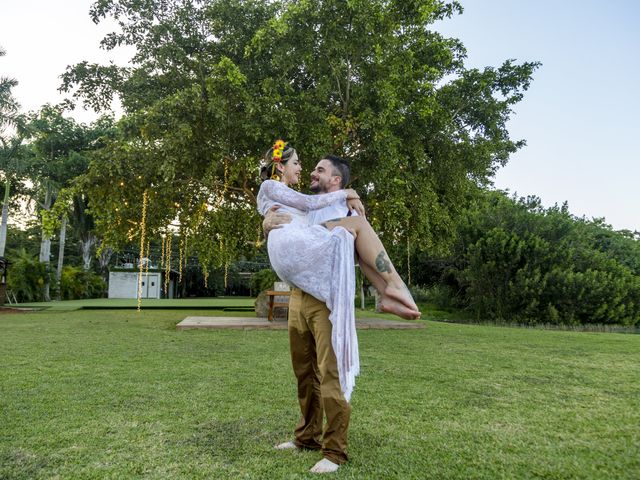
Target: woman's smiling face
291	170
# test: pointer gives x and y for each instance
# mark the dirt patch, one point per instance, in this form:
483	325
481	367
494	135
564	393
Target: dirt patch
13	310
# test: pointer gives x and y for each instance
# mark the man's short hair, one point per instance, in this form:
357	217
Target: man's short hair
340	168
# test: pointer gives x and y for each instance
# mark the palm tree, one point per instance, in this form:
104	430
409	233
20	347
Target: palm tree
8	119
8	104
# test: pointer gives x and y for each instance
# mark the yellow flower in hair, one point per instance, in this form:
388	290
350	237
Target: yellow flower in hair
278	149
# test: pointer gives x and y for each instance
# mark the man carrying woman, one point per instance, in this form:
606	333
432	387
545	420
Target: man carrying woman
315	253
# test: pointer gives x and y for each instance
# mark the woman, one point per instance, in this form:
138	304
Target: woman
319	259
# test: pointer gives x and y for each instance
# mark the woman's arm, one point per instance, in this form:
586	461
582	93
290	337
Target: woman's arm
279	193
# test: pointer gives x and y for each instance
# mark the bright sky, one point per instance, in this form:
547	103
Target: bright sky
579	118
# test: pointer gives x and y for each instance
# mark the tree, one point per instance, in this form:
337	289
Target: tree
59	146
9	107
14	156
516	261
214	83
9	147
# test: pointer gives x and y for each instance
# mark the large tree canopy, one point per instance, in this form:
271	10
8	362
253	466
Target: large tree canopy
213	83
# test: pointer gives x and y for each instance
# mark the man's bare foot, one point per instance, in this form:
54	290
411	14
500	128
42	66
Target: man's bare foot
285	446
391	305
325	466
401	295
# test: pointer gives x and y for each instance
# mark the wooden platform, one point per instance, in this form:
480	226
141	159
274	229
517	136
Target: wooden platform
242	323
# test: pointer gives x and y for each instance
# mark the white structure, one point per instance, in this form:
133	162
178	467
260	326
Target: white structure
123	283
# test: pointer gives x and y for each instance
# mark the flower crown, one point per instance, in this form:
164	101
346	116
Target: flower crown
278	149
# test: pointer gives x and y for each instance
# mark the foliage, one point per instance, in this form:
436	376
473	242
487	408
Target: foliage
76	283
213	83
14	158
22	241
263	280
26	276
9	106
516	261
438	295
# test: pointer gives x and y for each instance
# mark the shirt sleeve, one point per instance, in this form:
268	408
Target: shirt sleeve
279	193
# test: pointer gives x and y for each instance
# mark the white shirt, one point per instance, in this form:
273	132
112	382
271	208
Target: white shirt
336	210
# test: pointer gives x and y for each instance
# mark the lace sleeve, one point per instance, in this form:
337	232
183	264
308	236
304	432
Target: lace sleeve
279	193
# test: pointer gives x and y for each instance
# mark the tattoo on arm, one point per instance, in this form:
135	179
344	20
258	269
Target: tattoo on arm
382	263
326	224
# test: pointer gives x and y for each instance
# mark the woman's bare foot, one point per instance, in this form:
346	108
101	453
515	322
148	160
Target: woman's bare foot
402	295
391	305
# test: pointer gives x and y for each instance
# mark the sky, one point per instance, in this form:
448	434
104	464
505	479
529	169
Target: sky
579	118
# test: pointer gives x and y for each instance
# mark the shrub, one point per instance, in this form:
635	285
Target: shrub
26	276
263	280
544	266
439	294
76	283
514	261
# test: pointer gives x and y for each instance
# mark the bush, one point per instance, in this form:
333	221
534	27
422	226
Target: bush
544	266
439	294
514	261
75	283
26	276
263	280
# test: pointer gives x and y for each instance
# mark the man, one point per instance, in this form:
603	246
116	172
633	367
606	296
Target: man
312	355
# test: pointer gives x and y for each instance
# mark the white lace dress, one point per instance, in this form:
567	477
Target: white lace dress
319	262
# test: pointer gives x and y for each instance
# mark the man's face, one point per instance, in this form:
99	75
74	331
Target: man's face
323	179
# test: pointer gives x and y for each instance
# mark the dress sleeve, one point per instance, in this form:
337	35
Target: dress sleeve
279	193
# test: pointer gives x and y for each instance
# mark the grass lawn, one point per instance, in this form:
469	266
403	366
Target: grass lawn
129	303
122	394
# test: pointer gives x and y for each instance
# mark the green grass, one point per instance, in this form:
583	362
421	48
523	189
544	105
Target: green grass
121	394
132	303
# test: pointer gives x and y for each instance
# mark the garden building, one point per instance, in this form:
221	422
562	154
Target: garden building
123	283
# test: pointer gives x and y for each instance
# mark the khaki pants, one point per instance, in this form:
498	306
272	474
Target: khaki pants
315	367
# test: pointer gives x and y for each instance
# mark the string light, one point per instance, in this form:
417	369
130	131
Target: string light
163	237
186	238
226	175
146	268
226	265
167	272
143	227
180	253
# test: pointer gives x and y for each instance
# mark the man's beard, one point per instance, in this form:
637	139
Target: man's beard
317	188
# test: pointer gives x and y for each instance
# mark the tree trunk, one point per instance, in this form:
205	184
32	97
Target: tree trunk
63	237
45	248
104	259
87	245
5	217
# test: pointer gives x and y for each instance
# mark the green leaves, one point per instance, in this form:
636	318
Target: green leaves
522	263
214	83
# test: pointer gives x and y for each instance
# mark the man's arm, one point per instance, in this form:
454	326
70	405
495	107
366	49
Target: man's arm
274	220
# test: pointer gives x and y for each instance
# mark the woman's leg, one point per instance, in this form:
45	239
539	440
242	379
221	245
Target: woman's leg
377	264
387	304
